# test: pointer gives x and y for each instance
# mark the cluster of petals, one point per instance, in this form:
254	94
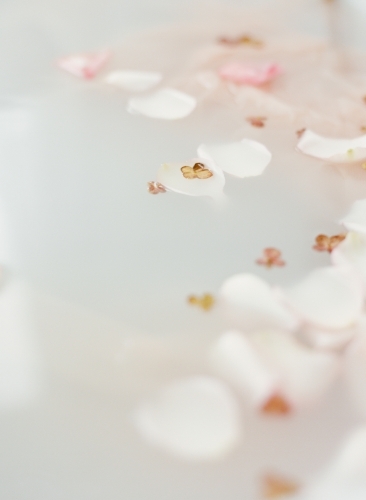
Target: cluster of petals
332	150
244	74
246	158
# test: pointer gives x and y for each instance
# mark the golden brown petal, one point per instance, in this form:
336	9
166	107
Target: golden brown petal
277	487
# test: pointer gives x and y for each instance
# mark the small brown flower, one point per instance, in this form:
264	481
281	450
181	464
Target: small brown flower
198	171
276	405
277	487
325	243
242	40
257	121
300	132
271	258
155	188
205	302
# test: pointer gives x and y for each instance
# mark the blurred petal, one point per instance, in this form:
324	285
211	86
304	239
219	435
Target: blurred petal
85	66
355	220
330	298
352	251
355	370
332	150
136	81
239	73
166	104
251	304
246	158
235	358
330	339
171	176
195	418
271	364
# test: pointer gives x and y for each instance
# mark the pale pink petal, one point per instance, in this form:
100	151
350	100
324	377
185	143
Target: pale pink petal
246	158
195	419
170	175
135	81
330	298
332	149
165	104
355	220
241	73
251	304
273	363
330	339
352	251
85	66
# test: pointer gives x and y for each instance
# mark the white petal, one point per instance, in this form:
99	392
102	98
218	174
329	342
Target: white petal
305	373
246	158
135	81
195	418
330	298
270	363
170	175
355	220
251	304
234	358
330	339
351	462
352	251
333	150
166	104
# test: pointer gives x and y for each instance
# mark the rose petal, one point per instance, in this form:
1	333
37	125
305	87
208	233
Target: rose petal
355	220
332	150
273	363
84	65
195	418
170	175
136	81
247	158
251	304
352	251
166	104
240	73
330	298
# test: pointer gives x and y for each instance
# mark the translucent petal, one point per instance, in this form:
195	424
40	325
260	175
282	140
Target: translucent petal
135	81
352	251
195	418
246	158
330	298
85	66
251	304
332	150
171	176
165	104
355	220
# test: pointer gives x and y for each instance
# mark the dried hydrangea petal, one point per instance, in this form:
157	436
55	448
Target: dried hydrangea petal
165	104
206	302
277	487
325	243
135	81
85	66
155	188
276	405
246	158
187	181
271	258
331	149
195	419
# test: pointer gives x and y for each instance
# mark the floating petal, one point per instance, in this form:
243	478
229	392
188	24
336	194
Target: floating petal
331	149
330	298
240	73
85	66
135	81
352	251
252	304
195	418
174	179
165	104
246	158
355	220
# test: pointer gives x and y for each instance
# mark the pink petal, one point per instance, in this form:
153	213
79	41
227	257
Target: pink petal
251	304
84	66
240	73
